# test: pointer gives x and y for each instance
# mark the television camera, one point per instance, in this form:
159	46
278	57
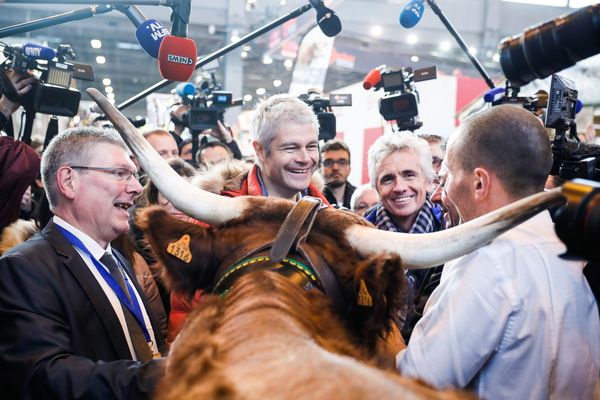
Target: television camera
322	108
52	93
206	103
401	99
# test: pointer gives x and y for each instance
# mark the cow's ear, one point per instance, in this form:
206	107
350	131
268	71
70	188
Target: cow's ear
378	292
186	250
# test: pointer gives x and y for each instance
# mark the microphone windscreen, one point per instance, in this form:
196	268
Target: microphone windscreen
329	23
493	94
578	106
150	35
177	58
412	13
372	79
185	89
37	51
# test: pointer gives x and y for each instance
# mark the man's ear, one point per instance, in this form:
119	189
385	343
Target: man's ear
481	183
66	182
258	149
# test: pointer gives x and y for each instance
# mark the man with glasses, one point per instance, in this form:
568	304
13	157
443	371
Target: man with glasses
335	168
75	323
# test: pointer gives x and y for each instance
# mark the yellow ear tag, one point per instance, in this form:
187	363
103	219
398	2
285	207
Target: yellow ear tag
181	249
364	298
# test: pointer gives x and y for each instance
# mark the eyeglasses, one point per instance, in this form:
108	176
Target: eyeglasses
122	174
342	162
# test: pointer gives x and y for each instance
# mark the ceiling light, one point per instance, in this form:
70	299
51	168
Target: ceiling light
473	50
414	59
111	101
212	29
110	96
288	63
108	89
376	30
248	98
100	59
106	81
496	57
554	3
96	44
445	45
412	39
267	60
244	54
247	47
276	83
260	91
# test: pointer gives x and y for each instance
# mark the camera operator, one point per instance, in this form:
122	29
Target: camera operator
9	103
224	134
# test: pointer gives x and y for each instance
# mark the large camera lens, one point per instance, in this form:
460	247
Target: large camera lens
551	47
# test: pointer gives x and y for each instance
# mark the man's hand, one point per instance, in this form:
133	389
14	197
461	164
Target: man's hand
22	85
222	133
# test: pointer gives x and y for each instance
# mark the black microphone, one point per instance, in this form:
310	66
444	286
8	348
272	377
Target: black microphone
329	23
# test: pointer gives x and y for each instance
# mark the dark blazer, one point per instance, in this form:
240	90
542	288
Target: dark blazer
59	335
348	192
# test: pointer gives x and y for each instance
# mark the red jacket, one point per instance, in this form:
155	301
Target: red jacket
181	305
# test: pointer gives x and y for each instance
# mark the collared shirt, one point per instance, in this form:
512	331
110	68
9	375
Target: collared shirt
510	320
97	251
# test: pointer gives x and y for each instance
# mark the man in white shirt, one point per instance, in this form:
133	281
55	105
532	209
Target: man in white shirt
75	323
511	320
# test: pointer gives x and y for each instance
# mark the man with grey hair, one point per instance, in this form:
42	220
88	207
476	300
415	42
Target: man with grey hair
285	138
75	323
511	320
400	169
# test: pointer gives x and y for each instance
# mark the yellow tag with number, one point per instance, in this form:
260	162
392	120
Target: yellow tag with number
364	298
181	249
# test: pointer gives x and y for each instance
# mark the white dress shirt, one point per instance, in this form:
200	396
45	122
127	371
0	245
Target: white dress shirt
97	251
510	320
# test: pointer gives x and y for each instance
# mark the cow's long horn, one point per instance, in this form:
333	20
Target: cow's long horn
431	249
202	205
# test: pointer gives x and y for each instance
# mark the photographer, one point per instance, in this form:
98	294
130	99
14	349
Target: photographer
9	102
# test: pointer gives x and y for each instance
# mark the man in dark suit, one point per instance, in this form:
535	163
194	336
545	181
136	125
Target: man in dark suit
335	168
75	323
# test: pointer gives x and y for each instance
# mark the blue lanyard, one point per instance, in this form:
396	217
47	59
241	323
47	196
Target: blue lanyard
133	306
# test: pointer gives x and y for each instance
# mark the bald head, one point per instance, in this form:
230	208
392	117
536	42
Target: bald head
509	141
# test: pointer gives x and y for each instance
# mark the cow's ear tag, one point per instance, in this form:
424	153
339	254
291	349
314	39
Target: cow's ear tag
181	249
364	298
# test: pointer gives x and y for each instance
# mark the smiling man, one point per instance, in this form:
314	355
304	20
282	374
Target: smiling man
285	138
75	323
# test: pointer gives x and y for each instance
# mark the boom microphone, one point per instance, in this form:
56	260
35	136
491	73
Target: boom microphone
38	52
150	35
329	23
177	58
552	46
412	13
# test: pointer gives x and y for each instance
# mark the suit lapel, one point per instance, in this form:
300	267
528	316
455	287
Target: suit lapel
88	283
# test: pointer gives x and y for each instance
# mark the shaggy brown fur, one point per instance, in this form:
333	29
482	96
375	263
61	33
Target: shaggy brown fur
269	339
17	232
382	275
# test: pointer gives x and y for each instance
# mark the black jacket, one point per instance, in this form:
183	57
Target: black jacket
348	191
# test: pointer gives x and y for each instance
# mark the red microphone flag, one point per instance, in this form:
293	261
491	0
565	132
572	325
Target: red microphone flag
177	58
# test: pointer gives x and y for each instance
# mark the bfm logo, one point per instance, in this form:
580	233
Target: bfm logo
180	59
158	31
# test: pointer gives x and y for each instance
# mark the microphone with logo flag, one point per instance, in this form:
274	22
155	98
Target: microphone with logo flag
149	32
177	54
412	13
38	52
329	23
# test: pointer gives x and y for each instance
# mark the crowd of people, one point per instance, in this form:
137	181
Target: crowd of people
86	314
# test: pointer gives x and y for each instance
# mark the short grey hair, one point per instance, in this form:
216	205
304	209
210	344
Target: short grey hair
275	112
393	142
72	147
357	194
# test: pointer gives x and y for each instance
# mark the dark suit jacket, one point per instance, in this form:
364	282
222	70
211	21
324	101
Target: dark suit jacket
59	335
348	191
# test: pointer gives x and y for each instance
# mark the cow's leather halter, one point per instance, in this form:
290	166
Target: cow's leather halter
288	255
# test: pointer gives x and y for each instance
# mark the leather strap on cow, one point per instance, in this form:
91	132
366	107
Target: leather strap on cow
291	237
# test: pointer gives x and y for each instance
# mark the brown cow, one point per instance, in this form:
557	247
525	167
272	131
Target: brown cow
268	338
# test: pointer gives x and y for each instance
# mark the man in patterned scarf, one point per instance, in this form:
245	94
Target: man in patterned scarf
400	169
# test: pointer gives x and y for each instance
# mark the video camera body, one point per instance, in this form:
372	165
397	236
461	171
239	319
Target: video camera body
401	99
322	108
52	93
207	104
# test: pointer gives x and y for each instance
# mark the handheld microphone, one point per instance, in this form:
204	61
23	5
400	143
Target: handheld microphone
37	51
328	22
373	78
412	13
177	58
185	89
494	94
150	35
